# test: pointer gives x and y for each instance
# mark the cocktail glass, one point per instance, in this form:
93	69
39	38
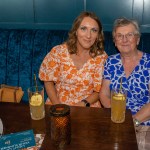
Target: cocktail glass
118	105
36	102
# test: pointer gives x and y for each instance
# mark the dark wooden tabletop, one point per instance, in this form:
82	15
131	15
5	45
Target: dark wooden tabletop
91	128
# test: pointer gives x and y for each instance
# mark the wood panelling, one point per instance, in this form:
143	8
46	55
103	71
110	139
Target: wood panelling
16	11
109	10
138	7
59	14
145	25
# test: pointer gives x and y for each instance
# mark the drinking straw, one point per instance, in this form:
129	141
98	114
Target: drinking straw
120	85
35	81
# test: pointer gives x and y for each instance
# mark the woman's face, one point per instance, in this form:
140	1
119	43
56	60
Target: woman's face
87	33
125	39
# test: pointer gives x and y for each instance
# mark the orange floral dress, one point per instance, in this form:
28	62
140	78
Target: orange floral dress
72	85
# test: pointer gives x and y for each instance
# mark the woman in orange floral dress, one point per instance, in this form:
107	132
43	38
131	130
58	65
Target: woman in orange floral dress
72	71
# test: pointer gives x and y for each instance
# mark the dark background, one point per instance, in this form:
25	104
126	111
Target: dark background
59	14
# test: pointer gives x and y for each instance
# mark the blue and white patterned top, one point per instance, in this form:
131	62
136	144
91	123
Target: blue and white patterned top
136	85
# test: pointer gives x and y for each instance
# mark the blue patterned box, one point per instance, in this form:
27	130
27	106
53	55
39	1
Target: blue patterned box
17	141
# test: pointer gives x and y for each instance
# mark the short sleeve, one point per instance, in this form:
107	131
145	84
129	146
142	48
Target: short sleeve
100	61
49	68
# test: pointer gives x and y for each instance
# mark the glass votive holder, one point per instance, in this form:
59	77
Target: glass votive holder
60	125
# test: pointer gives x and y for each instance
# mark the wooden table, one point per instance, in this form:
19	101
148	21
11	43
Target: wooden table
92	128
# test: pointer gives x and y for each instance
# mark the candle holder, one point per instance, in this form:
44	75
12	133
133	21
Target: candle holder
60	125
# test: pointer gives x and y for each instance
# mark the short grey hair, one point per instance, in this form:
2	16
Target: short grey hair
123	22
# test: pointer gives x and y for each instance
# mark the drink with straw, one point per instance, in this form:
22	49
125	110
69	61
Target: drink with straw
36	101
118	105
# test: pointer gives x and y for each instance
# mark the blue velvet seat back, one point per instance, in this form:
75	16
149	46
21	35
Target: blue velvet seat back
23	50
21	53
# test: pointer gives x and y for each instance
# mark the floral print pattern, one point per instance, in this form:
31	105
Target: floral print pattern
136	85
72	85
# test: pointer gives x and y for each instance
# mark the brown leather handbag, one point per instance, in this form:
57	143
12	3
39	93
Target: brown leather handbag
10	93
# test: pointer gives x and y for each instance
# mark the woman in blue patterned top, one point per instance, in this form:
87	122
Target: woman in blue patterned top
133	66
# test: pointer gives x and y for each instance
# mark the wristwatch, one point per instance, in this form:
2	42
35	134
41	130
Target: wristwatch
87	104
136	122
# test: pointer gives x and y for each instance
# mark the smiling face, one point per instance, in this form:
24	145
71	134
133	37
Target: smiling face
126	39
87	33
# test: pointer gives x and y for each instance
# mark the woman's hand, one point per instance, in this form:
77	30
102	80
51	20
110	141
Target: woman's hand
143	114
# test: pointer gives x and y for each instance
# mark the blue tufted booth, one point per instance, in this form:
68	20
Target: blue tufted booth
22	51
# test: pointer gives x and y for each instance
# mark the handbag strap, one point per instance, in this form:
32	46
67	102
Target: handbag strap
10	87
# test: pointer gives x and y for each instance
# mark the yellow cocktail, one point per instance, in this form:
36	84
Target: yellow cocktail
118	106
36	102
